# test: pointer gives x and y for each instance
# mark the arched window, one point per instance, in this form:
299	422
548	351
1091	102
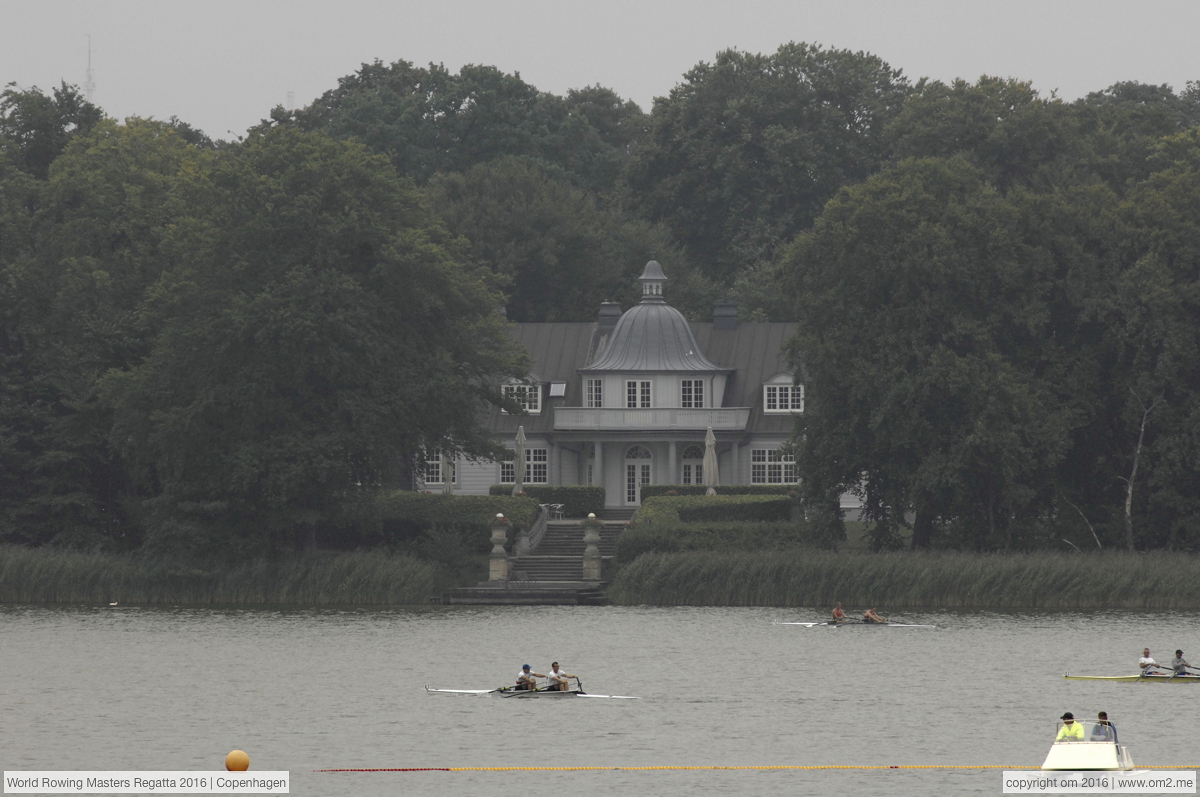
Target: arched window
638	452
781	395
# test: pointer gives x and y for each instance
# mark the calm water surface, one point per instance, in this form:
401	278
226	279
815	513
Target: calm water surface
175	689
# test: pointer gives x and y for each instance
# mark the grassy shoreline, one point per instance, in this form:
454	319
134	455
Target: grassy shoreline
932	580
40	575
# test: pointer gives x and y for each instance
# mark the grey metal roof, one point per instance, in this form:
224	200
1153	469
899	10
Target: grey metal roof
560	351
653	336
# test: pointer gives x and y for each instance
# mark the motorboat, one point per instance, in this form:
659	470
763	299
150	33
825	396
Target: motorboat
1099	751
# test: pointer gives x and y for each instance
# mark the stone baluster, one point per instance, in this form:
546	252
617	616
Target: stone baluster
498	560
591	551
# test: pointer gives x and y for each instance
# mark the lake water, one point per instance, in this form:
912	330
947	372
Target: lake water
88	688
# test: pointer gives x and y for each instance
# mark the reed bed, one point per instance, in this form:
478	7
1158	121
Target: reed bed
806	577
38	575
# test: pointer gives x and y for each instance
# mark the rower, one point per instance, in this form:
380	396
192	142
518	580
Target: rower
1071	731
527	678
869	616
839	616
1179	665
558	678
1145	661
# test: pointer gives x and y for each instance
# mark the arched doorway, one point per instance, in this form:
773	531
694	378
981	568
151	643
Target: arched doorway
638	468
693	465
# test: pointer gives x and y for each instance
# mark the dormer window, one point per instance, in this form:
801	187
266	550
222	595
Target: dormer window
528	396
691	393
780	395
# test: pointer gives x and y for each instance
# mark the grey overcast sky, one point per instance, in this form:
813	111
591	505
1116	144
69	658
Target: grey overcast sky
222	65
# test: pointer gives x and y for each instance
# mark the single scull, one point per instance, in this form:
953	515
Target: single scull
854	623
1166	678
508	691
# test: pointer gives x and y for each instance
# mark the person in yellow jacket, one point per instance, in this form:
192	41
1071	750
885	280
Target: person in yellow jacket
1071	731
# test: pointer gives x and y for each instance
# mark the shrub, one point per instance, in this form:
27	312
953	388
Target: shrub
701	508
654	490
577	500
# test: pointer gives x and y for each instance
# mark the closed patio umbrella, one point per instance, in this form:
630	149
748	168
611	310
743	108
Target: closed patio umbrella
447	473
711	479
519	462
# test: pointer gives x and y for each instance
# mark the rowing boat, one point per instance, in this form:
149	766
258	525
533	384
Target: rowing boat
508	691
830	623
1186	678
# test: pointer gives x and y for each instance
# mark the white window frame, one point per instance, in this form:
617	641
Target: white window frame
691	394
594	393
643	394
431	468
527	395
781	397
537	467
772	466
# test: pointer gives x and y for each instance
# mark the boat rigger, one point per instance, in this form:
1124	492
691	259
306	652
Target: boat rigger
1146	677
509	691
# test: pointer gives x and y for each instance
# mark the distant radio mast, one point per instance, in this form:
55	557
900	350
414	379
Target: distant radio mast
89	86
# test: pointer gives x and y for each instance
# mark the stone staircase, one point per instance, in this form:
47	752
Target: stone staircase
552	573
559	555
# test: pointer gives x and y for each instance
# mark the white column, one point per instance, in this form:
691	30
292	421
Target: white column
555	475
671	464
598	468
736	469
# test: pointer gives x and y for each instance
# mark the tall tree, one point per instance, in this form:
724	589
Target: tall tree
89	247
557	250
430	121
930	309
746	150
38	127
316	330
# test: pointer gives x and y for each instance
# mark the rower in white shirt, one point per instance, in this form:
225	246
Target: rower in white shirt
1145	661
558	678
527	678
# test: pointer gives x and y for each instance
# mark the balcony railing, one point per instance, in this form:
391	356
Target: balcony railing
620	419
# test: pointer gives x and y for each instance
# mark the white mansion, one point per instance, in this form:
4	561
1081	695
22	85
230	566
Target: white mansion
627	400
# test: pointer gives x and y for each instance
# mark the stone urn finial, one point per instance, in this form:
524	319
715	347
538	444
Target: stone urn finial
591	550
498	559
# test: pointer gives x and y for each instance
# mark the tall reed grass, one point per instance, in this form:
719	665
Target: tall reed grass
805	577
40	575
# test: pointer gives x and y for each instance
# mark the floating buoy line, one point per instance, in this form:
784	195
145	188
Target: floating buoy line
712	767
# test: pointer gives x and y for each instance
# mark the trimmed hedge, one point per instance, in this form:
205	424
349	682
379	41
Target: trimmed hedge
654	490
428	509
680	523
675	509
729	536
577	500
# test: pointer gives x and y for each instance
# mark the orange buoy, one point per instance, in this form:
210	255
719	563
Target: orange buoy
237	761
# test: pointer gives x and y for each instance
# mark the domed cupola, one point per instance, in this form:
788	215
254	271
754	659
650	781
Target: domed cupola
652	335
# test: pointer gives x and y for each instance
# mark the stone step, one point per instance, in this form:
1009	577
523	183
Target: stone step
565	593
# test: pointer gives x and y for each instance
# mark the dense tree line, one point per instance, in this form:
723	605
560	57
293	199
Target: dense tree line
219	344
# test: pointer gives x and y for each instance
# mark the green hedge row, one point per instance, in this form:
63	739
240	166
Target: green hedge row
577	500
428	509
674	509
728	536
653	490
